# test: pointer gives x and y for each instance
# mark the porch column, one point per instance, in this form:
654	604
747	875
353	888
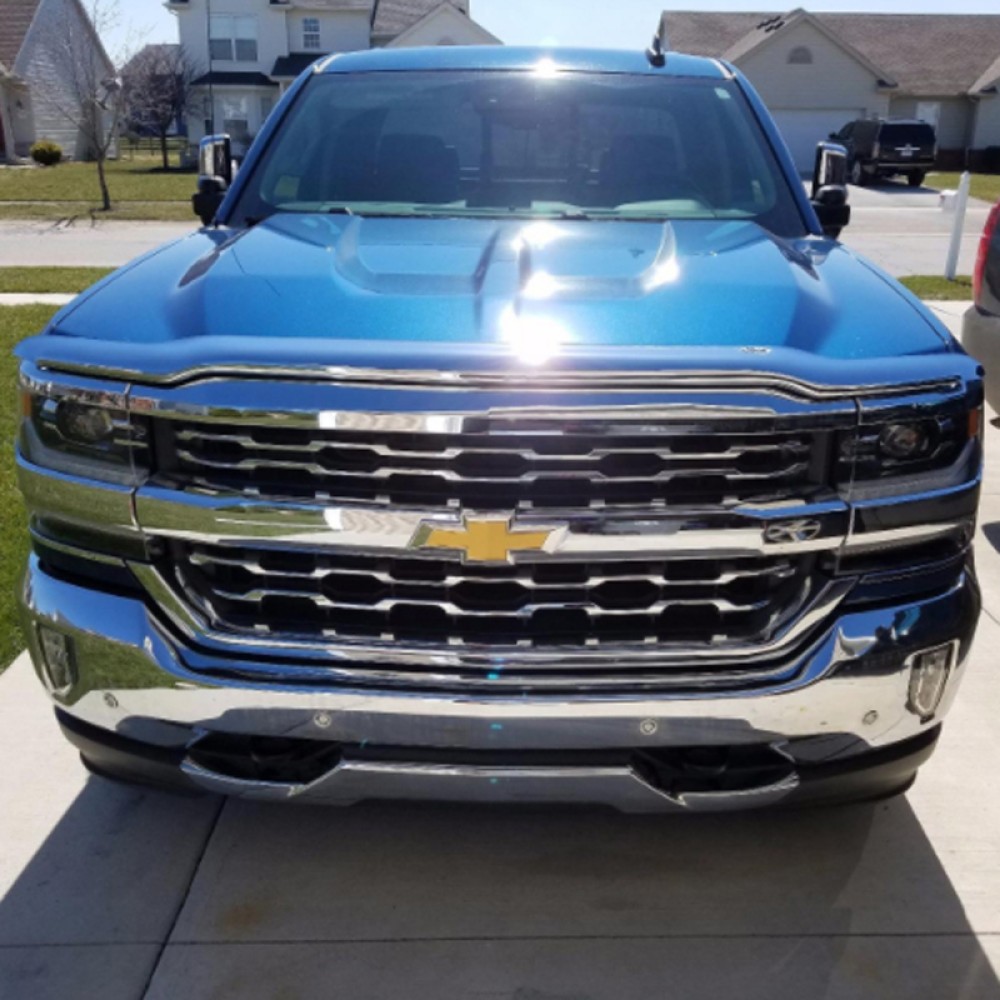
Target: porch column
6	123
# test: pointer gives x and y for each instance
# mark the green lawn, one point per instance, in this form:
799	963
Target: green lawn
15	324
937	289
140	189
984	186
50	279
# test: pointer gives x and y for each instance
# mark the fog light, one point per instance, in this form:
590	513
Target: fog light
928	678
57	659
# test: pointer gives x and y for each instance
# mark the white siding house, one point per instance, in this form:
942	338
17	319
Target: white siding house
248	51
38	96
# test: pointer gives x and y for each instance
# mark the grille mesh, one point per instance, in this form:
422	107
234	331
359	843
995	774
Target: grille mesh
702	602
511	466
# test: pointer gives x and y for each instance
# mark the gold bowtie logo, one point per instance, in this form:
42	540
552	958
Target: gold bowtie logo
485	539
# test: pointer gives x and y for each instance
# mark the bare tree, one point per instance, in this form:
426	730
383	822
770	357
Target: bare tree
84	88
156	91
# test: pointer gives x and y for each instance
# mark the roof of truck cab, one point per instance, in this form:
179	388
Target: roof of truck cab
502	57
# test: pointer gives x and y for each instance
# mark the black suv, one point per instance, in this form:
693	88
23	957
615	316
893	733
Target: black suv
880	148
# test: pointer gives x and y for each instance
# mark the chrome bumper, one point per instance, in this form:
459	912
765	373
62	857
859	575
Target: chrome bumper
852	685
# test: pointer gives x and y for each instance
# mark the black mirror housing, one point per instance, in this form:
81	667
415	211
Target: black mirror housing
207	199
829	188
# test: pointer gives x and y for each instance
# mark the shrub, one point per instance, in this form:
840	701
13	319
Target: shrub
46	152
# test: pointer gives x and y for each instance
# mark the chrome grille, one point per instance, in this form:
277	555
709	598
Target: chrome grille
695	603
498	464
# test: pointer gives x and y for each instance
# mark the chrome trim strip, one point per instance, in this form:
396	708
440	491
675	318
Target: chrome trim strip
621	788
344	420
474	572
523	380
58	496
643	533
452	476
74	550
82	387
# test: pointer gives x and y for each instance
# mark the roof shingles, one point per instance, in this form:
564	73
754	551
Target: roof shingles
15	19
393	17
925	54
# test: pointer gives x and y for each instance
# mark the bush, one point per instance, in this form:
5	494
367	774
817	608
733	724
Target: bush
46	152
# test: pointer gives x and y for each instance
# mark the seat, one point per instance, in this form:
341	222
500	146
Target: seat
416	168
642	168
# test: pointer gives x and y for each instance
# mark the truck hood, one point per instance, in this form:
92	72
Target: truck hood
351	285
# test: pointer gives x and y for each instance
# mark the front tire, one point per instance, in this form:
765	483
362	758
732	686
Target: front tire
858	176
917	179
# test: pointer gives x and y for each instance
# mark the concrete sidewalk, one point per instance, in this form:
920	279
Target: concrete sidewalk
34	298
901	231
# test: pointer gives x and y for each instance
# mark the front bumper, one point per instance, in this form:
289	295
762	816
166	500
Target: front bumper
845	710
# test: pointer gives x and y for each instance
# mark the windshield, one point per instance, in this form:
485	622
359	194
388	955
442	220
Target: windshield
572	145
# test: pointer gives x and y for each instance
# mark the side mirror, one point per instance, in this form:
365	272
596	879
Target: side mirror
829	188
215	174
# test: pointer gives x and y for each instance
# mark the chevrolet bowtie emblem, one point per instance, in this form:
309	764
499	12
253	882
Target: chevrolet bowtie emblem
486	539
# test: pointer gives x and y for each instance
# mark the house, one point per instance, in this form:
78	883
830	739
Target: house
816	72
39	84
252	50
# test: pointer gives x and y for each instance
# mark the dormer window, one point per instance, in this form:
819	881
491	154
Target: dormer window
310	34
800	56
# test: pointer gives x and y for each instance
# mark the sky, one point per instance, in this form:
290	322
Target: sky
601	23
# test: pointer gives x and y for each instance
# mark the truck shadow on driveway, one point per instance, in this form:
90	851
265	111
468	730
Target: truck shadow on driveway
419	902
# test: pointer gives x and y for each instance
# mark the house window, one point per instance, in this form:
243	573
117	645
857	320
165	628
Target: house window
930	112
232	39
310	34
800	56
236	117
266	106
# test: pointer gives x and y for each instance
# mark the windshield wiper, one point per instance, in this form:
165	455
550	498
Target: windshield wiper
340	210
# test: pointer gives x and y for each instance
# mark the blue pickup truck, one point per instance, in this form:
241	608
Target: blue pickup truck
515	429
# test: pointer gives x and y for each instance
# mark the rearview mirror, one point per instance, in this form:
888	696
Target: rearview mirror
215	174
829	188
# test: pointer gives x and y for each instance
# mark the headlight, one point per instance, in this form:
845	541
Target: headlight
82	431
926	453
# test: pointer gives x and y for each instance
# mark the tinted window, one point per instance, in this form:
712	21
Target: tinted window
472	143
907	135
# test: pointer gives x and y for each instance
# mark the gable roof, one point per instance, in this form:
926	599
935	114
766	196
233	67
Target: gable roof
771	28
988	81
445	9
925	54
15	20
393	17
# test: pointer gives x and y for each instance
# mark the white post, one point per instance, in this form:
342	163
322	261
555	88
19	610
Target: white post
958	226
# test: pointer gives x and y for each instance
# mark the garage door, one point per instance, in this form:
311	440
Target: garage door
803	129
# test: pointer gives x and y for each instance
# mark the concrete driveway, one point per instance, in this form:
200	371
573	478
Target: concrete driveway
117	893
904	231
